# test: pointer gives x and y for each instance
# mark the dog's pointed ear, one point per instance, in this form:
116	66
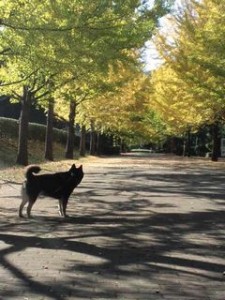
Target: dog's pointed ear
73	167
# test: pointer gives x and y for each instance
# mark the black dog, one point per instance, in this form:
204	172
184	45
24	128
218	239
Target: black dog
58	185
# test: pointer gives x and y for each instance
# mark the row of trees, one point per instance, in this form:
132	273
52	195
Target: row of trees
79	60
188	89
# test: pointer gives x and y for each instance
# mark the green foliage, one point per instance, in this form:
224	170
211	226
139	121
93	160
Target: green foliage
72	36
64	49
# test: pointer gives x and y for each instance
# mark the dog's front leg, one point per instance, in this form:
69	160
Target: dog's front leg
65	201
60	207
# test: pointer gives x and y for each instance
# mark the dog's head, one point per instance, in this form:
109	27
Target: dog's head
76	173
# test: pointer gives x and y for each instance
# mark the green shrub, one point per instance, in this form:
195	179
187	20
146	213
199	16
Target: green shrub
9	129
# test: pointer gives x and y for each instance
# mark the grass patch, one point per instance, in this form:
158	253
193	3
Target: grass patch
9	171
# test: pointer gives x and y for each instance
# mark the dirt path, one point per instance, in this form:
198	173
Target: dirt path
140	228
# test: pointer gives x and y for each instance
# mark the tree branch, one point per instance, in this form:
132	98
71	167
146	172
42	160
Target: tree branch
42	95
16	96
18	81
60	29
4	51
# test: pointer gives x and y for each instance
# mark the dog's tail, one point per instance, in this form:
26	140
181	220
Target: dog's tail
30	170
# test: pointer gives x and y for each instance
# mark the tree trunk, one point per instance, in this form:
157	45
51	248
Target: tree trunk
83	141
22	155
122	145
98	143
71	131
216	141
172	146
187	144
188	149
92	140
49	131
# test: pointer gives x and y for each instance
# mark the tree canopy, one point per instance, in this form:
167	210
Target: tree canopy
67	40
76	36
192	77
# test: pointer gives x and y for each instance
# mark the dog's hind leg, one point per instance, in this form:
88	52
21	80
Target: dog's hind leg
25	199
30	205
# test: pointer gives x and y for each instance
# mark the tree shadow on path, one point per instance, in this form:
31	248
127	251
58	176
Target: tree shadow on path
121	239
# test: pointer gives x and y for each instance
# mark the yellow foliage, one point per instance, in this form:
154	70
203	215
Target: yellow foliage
189	88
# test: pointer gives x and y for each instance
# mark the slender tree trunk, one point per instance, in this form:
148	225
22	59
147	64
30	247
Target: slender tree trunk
71	131
189	143
92	140
216	141
172	146
49	131
184	147
22	155
98	143
122	145
83	141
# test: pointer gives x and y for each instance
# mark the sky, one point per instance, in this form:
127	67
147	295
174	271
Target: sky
150	54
